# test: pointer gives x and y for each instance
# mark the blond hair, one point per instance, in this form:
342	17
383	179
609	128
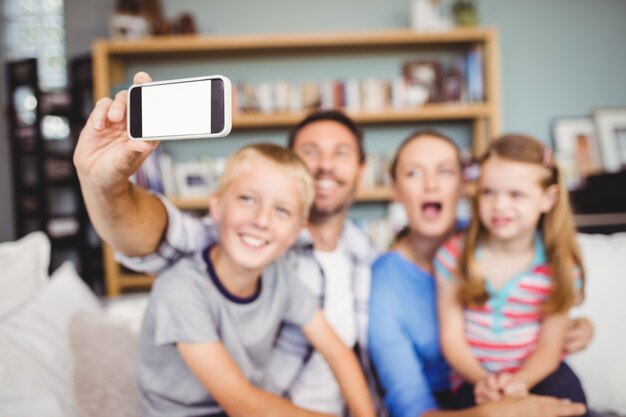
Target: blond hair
557	230
282	157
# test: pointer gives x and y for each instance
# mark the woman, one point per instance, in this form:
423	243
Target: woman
403	328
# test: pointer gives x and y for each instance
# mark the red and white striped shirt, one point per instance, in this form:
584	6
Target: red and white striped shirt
504	332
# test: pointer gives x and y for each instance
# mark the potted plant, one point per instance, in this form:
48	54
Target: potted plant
464	12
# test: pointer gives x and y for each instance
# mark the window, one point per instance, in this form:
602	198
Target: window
35	28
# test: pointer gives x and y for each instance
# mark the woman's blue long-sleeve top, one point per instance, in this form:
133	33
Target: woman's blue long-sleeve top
404	336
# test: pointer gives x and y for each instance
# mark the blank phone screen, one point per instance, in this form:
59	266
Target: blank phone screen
182	108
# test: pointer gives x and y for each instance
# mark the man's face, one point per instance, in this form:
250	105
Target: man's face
330	151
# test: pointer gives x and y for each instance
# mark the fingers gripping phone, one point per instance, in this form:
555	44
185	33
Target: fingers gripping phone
188	108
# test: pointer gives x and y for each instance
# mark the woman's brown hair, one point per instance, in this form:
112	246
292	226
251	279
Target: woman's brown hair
557	231
420	134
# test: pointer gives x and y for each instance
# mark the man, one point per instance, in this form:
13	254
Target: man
335	256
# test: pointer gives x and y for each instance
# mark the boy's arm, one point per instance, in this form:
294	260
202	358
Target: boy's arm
127	217
454	346
547	356
184	235
232	391
343	363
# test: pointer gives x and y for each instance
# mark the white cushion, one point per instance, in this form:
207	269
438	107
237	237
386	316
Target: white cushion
602	366
34	348
127	310
103	355
24	270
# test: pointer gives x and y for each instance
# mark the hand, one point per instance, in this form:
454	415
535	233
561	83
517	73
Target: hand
533	405
104	156
487	390
511	387
579	334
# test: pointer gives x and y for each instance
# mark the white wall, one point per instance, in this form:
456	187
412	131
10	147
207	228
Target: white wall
85	20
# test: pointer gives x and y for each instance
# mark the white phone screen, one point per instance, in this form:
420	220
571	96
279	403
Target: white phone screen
175	109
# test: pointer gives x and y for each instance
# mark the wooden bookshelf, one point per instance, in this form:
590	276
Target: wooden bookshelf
110	58
291	41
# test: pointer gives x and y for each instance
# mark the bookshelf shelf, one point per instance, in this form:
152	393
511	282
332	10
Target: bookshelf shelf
199	203
379	194
372	195
277	42
111	57
427	112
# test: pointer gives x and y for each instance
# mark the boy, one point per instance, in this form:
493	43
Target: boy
213	317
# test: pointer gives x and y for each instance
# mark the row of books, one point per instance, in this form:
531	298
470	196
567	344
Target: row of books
369	95
198	177
376	172
383	231
450	79
189	179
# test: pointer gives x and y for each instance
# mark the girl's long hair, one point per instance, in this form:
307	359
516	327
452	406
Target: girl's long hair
557	231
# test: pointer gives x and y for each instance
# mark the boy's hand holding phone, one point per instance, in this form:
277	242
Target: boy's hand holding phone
147	113
104	157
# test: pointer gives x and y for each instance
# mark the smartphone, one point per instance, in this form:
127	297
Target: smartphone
188	108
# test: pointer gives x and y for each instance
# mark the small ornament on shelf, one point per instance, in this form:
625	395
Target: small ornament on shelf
465	13
426	16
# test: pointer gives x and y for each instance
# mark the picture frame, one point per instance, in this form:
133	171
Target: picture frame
193	180
425	75
611	128
127	26
576	149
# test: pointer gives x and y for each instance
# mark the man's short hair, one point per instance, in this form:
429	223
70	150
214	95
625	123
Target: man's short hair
333	115
284	158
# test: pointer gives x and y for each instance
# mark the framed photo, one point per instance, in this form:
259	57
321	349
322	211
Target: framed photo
576	148
611	128
193	180
424	74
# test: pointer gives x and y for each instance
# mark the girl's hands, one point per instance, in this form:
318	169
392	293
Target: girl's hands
497	387
511	387
487	390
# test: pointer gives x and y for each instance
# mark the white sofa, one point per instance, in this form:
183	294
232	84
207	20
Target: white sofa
63	353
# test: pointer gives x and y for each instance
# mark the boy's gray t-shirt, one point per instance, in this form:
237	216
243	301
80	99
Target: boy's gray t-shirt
189	304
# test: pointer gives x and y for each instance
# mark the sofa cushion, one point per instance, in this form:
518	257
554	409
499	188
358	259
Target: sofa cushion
24	265
103	377
602	367
127	310
34	349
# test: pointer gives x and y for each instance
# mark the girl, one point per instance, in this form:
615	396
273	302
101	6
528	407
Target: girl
505	287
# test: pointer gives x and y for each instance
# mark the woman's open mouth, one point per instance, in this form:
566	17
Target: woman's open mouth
432	209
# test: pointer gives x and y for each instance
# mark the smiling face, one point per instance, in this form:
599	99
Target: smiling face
259	213
428	184
331	153
511	198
